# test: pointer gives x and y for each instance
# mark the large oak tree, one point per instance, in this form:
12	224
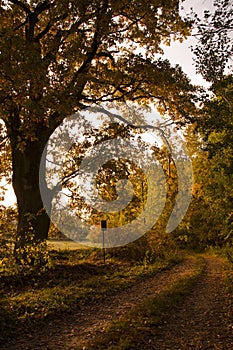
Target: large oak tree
57	57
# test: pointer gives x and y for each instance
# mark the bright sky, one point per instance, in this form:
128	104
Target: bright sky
177	53
181	52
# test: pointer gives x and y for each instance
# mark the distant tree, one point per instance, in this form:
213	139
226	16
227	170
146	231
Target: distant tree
210	217
57	57
214	49
211	211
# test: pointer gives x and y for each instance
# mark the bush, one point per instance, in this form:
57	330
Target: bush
33	258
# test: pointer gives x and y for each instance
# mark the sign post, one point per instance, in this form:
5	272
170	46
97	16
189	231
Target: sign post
103	228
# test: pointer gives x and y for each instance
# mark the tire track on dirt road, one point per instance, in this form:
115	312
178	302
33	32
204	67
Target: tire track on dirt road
76	331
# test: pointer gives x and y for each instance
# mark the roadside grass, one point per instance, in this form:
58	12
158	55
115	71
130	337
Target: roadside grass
76	277
139	325
225	253
229	279
229	282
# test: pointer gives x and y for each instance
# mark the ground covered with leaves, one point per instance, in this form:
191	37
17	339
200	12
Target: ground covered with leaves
181	302
33	297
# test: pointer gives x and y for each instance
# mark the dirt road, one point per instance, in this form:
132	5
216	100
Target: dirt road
201	322
205	319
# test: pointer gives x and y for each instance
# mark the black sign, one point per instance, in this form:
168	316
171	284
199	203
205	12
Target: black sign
103	223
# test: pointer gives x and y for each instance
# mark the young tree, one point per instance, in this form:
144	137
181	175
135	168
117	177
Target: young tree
57	57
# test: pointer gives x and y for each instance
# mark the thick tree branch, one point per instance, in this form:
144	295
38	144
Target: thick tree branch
22	5
49	26
43	32
3	140
43	6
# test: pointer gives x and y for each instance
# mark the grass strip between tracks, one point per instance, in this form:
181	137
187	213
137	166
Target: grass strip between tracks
131	330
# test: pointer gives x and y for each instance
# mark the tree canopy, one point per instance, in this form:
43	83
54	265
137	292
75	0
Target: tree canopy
210	217
214	33
57	57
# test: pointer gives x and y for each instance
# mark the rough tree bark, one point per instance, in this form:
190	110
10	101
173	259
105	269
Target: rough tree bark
33	220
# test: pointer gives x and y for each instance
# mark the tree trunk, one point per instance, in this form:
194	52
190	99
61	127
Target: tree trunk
33	220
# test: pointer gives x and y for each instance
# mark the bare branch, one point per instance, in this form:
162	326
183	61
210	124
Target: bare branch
133	126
